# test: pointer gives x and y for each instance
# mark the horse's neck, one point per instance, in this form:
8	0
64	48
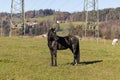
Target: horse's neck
51	39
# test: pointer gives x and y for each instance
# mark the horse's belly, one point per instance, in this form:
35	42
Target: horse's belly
60	47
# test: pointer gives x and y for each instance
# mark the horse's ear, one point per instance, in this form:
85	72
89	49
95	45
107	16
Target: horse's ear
54	29
50	28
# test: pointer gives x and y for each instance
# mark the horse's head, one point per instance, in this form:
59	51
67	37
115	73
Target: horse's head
52	34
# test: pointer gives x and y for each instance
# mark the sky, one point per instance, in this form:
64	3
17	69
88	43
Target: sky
61	5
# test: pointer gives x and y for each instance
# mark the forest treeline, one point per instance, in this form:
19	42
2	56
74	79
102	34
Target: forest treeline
109	26
105	14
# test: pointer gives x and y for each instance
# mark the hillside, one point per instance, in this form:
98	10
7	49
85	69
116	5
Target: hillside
68	22
105	14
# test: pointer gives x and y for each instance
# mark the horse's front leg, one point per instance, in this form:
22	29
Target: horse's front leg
52	62
54	58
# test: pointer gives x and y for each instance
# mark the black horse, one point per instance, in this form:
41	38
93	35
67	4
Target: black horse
60	43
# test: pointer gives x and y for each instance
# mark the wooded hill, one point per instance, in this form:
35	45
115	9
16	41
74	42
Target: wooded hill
109	26
105	14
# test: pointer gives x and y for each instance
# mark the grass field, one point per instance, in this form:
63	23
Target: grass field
64	25
29	59
41	18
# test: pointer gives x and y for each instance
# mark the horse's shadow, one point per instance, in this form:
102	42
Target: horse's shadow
7	61
88	62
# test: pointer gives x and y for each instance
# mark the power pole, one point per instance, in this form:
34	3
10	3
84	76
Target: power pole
91	5
23	15
17	6
1	26
10	33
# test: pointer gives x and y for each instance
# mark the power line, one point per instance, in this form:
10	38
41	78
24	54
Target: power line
62	4
79	5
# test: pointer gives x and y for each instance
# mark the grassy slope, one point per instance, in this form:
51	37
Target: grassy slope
41	18
29	59
63	25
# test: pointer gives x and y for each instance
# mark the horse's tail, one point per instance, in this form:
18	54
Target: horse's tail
78	53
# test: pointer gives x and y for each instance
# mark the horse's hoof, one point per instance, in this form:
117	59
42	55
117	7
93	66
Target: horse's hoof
54	65
74	64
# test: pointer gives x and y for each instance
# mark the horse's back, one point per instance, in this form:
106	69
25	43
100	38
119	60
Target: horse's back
62	43
66	42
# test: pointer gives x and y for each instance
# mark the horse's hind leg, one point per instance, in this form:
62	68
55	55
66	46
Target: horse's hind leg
74	55
75	50
75	60
78	58
78	54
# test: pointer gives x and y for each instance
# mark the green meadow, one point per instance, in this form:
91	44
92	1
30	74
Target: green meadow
41	18
28	58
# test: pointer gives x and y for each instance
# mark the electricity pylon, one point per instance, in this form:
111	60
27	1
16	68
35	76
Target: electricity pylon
91	16
17	6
